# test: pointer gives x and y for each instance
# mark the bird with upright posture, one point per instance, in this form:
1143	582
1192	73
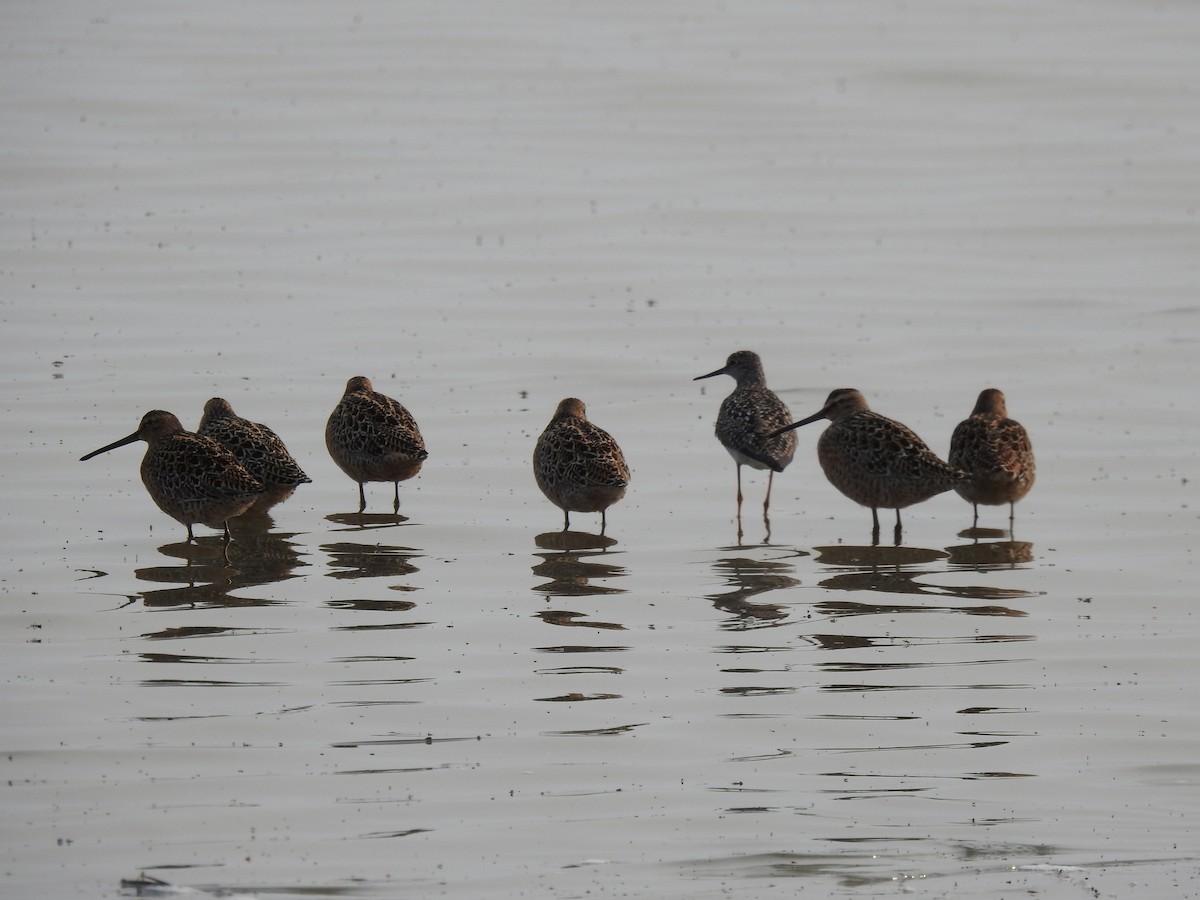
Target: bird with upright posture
373	438
876	461
191	478
578	465
256	447
996	452
749	423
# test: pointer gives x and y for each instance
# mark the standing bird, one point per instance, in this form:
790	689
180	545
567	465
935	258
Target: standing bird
996	452
579	466
373	438
191	478
876	461
256	447
749	424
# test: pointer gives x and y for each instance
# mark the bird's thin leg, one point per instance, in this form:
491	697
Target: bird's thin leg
362	498
603	521
191	537
739	502
566	520
975	521
874	527
896	536
767	506
396	501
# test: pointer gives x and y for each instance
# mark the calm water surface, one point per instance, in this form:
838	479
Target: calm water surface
486	208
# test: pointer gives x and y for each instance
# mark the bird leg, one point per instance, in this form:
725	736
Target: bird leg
396	502
738	467
896	536
766	506
874	527
362	498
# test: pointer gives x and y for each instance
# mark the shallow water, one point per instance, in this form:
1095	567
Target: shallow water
485	209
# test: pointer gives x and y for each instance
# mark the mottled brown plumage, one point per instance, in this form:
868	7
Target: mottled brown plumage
256	447
578	466
749	422
876	461
996	452
373	438
191	478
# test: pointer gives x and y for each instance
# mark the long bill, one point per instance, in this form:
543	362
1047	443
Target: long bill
813	418
724	370
113	446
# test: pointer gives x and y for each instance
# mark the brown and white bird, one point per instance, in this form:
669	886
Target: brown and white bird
876	461
578	465
373	438
749	423
256	447
996	452
190	477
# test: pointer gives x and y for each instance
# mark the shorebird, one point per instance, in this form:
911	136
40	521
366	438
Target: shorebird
373	438
748	423
256	447
578	465
876	461
191	478
996	452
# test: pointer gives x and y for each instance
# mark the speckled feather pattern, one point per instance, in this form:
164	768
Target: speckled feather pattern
995	451
191	478
578	465
372	437
256	447
750	414
877	461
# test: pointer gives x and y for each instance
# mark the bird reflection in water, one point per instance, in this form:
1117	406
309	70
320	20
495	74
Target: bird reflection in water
356	521
568	560
900	570
569	566
749	578
214	569
352	560
983	555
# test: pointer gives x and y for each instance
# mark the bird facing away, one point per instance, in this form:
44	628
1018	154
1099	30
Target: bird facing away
256	447
996	452
578	465
876	461
373	438
191	478
749	423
